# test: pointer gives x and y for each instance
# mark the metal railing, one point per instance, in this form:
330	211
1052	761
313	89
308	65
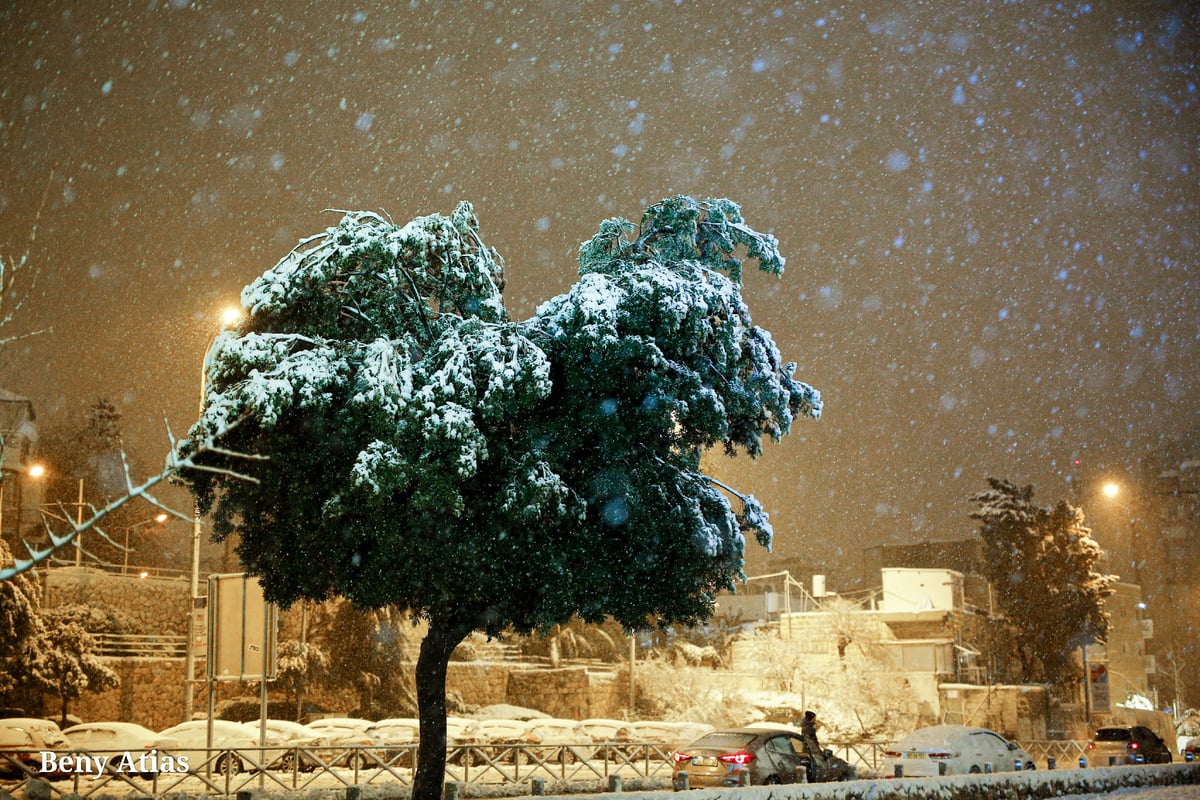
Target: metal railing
225	772
132	645
1065	752
860	755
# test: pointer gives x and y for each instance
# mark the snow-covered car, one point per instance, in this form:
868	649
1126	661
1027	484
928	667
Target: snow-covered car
558	739
287	740
608	736
954	750
242	750
396	732
118	737
1127	744
46	729
502	738
462	735
20	746
348	735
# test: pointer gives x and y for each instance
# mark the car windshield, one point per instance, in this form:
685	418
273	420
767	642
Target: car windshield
724	741
1112	735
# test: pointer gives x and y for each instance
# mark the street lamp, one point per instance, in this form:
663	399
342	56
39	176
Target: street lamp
228	317
1113	490
158	519
36	472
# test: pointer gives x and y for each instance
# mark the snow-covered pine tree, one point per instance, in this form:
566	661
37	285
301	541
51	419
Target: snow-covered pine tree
1041	562
424	451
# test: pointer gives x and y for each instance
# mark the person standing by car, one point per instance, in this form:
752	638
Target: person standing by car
808	732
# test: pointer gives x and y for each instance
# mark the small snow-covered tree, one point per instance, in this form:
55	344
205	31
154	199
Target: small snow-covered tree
1041	562
301	666
424	451
67	664
20	627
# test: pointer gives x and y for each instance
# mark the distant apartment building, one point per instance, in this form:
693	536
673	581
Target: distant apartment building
929	623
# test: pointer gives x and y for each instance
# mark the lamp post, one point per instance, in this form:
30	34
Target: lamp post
228	317
158	519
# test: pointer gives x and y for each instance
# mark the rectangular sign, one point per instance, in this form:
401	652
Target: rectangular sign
241	629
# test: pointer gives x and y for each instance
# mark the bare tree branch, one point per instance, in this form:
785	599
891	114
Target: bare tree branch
175	463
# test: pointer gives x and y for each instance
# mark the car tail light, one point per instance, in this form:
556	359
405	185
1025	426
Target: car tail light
1091	745
680	757
740	758
1132	746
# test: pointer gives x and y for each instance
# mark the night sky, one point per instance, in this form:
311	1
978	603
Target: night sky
989	210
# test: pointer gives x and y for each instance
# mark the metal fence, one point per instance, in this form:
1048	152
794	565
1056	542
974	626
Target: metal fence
1065	752
863	756
226	772
130	645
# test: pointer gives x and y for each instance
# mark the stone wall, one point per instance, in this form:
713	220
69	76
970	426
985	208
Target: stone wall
567	693
157	605
150	694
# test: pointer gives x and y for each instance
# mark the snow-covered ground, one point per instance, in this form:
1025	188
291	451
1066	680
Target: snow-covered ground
1106	782
1148	793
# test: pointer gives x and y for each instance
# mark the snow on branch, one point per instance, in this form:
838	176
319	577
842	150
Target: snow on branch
175	463
10	301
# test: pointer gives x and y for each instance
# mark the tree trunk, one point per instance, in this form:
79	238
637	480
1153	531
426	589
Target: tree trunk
445	633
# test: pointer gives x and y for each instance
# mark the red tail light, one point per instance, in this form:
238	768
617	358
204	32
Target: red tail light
680	757
1091	745
1132	745
740	759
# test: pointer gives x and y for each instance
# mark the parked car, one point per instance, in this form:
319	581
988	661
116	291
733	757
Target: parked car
1127	744
393	733
961	748
20	747
286	740
1191	749
462	734
607	736
558	739
243	750
118	737
499	738
47	730
281	741
345	733
753	756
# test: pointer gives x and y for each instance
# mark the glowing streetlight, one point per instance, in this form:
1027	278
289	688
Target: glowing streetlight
1111	489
